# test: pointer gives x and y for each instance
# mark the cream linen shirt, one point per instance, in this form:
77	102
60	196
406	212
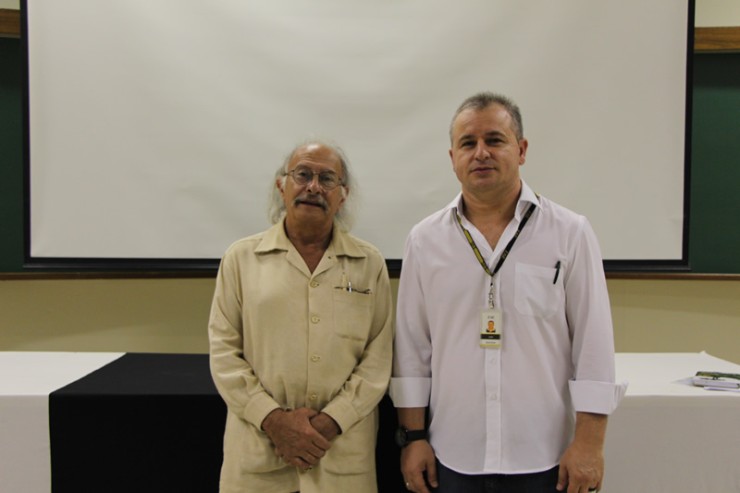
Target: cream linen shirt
509	410
283	337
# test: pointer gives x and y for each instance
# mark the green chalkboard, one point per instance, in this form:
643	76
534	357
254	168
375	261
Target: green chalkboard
11	156
714	227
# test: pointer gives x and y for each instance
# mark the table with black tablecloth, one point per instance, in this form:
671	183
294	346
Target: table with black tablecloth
154	422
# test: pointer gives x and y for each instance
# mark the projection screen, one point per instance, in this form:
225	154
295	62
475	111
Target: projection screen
155	127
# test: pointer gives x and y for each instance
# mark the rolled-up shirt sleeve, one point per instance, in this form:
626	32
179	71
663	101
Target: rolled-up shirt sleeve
410	391
596	397
411	382
593	388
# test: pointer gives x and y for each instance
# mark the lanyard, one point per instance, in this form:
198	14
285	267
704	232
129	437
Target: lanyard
504	254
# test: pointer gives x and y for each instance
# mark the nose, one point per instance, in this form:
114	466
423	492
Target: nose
314	185
481	151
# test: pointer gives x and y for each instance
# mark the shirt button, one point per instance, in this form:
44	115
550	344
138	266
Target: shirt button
313	397
314	284
315	358
315	319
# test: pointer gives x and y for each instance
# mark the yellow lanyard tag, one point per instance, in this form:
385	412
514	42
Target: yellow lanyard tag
491	330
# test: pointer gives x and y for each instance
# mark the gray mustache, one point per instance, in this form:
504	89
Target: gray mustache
311	200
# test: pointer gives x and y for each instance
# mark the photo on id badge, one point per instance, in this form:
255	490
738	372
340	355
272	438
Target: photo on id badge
491	328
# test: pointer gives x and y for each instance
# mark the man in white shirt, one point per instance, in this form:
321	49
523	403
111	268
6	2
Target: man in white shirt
504	356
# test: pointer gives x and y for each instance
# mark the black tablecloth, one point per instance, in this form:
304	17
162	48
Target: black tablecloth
154	423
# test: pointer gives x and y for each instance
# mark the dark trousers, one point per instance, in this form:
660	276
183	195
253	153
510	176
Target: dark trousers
454	482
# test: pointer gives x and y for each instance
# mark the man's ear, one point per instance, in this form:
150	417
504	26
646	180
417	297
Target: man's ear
523	146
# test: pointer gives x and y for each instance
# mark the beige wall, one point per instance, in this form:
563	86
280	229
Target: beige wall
170	315
716	13
677	316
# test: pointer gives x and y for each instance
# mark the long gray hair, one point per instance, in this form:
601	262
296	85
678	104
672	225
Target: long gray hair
345	216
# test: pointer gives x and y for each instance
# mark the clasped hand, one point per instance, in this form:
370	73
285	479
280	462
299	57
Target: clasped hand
301	437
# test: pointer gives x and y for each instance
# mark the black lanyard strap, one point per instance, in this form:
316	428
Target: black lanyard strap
506	251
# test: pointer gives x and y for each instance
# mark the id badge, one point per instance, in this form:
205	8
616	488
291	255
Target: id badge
491	328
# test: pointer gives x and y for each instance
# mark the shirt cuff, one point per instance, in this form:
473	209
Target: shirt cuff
596	397
410	391
258	407
343	413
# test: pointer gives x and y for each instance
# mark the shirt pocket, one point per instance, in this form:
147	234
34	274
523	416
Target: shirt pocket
535	293
352	314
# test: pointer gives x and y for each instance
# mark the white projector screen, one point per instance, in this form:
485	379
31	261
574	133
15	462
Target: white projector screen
155	126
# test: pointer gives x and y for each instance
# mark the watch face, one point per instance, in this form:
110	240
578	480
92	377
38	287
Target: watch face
404	436
401	437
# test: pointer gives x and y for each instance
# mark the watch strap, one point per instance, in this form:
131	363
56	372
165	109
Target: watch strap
405	436
413	435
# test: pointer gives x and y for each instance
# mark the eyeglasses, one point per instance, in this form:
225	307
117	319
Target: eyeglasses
303	175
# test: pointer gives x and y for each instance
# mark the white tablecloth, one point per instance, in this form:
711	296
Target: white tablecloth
668	435
26	380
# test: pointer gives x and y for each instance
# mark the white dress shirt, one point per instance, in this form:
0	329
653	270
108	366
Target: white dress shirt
508	410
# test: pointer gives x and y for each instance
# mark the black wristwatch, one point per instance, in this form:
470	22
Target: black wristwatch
405	436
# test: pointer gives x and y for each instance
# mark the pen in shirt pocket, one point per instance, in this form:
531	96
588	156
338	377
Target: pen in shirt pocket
346	285
557	272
